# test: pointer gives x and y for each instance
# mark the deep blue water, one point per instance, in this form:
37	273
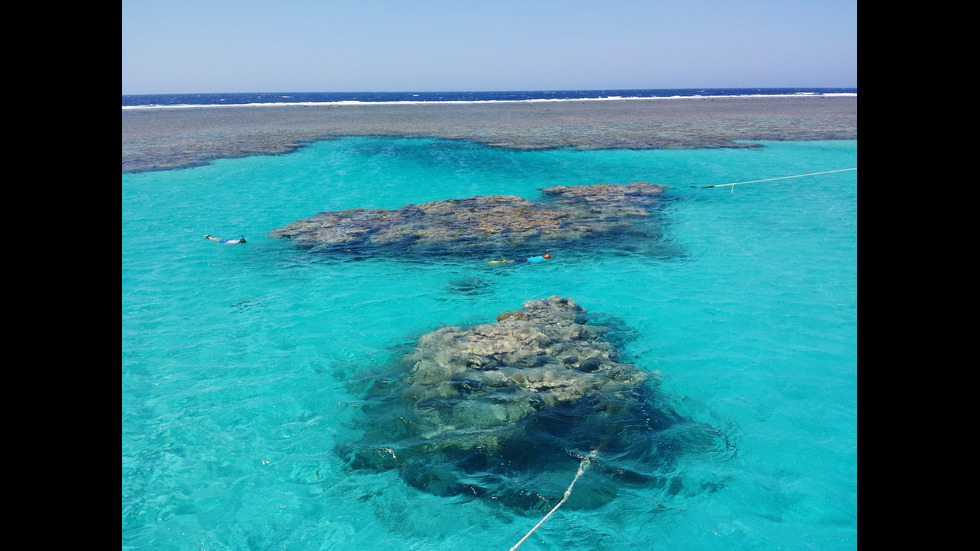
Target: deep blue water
374	97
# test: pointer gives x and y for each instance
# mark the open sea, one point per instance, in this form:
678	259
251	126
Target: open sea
240	363
314	98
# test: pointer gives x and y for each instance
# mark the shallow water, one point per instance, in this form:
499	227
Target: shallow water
237	360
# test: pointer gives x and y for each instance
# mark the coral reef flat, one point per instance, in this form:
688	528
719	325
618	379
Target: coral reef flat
158	139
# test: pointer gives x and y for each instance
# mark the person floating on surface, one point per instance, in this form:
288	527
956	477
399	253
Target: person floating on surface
225	241
522	260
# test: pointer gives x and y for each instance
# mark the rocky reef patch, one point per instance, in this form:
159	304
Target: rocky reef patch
504	411
617	214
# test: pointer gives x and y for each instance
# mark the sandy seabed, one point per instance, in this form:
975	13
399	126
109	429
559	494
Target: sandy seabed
166	138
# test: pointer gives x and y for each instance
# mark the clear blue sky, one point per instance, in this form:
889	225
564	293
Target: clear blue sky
199	46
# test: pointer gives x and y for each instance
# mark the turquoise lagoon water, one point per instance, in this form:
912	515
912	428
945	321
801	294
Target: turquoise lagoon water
237	360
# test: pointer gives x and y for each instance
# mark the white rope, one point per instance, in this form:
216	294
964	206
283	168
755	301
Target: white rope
780	178
582	467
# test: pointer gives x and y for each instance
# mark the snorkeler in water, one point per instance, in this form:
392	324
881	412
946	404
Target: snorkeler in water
546	256
225	241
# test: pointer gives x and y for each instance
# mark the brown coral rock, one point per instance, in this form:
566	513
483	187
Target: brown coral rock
484	224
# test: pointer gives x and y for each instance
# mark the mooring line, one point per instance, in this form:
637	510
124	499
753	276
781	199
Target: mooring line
779	178
582	467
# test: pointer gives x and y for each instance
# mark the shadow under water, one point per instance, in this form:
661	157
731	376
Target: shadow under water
469	286
505	412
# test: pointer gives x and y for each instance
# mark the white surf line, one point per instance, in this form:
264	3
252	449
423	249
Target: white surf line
780	178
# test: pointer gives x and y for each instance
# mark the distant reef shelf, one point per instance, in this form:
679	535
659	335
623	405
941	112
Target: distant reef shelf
619	215
163	139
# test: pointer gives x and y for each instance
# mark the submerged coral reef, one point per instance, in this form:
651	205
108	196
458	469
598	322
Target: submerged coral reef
487	224
502	410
